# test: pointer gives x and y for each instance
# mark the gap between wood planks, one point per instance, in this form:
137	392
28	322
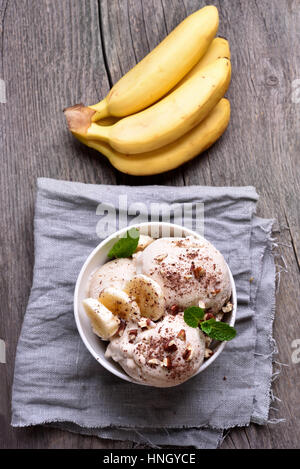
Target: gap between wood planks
293	243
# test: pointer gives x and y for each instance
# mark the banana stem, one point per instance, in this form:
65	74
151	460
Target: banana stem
79	118
98	132
101	110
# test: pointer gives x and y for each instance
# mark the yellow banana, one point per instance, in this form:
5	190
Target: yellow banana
218	48
173	155
163	67
166	120
108	120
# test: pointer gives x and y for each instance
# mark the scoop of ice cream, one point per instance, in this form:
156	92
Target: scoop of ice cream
188	270
114	273
163	354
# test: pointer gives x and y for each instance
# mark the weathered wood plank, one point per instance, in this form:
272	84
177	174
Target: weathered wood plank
51	57
261	148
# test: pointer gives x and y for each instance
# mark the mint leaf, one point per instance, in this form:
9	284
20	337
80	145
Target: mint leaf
218	330
206	326
125	246
193	315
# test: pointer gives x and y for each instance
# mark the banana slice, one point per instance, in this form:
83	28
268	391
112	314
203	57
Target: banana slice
144	241
148	295
104	323
120	304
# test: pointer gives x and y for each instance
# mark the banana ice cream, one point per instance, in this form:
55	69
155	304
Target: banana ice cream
161	354
190	271
138	303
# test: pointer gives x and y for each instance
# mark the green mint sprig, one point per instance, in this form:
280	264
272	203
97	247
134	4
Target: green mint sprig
218	330
193	315
126	245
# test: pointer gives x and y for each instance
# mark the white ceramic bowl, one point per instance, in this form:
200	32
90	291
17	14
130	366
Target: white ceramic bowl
99	257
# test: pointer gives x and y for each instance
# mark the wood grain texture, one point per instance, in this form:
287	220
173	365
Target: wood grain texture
52	57
71	51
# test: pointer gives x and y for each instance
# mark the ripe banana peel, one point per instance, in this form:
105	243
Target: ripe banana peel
219	48
163	67
165	121
173	155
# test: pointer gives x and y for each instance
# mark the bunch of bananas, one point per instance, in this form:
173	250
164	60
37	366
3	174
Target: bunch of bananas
168	108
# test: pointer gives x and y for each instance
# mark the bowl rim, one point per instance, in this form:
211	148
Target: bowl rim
117	234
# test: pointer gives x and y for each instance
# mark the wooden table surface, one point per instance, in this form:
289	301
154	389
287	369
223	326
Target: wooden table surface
55	53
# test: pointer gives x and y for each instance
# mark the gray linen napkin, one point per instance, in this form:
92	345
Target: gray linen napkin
58	382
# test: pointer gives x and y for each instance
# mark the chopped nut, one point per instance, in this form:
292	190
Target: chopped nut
213	293
174	309
201	304
132	335
208	353
208	341
167	363
181	335
153	361
219	316
146	323
187	277
143	323
171	346
188	353
198	272
144	241
121	329
179	243
161	257
227	308
208	316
